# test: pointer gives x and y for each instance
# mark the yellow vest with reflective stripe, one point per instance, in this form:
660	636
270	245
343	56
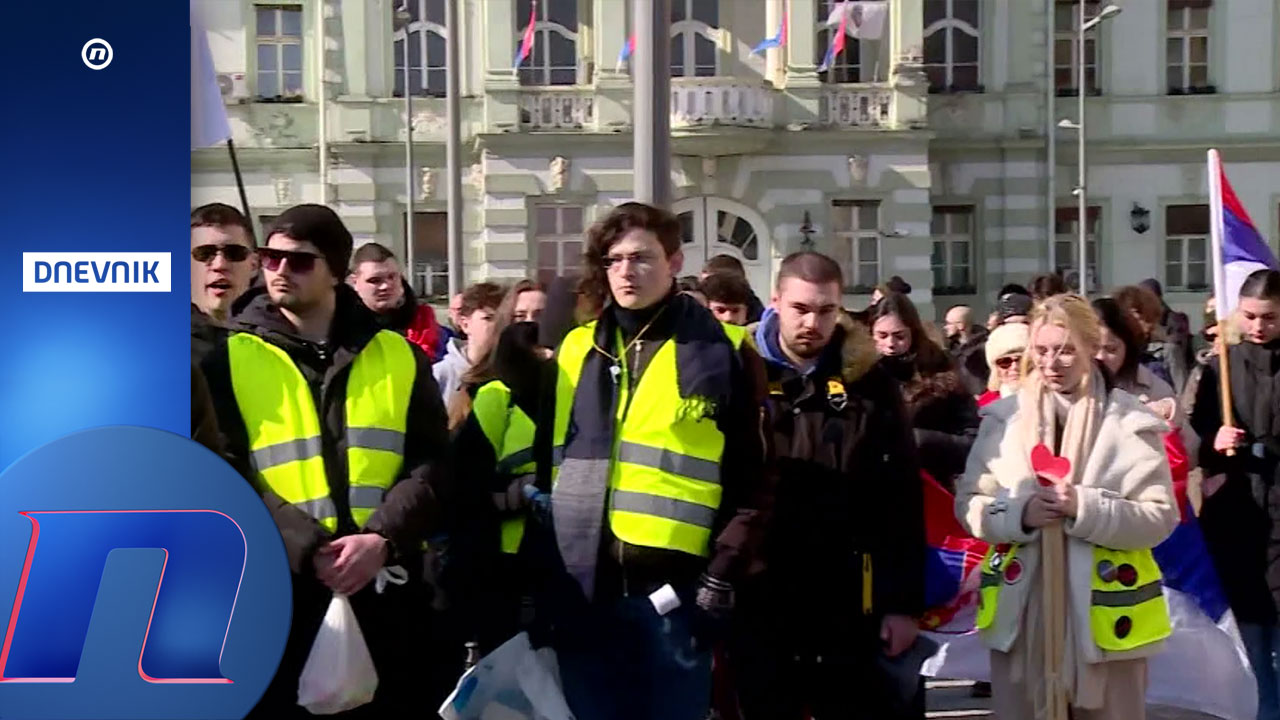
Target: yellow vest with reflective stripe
1127	609
664	474
284	428
510	432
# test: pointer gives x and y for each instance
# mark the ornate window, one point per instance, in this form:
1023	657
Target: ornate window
951	45
846	67
1186	247
554	59
952	260
694	37
426	35
1187	47
857	232
1066	59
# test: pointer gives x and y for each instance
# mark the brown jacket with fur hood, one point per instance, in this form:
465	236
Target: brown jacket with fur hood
943	415
848	488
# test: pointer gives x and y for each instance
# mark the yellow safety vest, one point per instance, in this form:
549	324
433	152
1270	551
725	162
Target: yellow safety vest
664	471
285	445
510	431
1127	609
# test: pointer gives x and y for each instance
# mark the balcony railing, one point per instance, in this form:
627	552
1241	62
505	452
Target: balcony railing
856	106
557	109
724	101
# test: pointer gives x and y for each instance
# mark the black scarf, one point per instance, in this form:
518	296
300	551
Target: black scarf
704	361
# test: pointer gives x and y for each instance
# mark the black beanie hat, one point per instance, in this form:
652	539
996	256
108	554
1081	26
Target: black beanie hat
321	227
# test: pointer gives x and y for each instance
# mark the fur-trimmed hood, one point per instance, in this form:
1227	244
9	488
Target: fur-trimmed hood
857	350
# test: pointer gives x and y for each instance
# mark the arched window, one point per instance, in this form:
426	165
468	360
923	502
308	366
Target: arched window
951	44
426	35
846	67
554	59
695	34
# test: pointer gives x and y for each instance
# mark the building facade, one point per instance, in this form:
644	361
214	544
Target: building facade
919	150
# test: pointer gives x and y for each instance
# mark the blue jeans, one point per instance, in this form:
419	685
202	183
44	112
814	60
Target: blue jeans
626	662
1262	642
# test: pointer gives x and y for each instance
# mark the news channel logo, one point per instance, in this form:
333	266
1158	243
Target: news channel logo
140	577
97	54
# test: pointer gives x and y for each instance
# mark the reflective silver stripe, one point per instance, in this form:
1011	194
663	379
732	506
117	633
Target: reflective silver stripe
319	509
664	507
557	455
672	462
376	439
1127	598
285	452
515	460
365	497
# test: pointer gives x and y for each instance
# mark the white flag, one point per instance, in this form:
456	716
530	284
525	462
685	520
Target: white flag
208	113
863	20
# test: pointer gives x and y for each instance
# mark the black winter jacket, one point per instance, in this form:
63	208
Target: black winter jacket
942	414
414	506
1241	521
848	486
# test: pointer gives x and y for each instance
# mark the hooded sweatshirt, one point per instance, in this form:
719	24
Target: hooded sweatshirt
449	371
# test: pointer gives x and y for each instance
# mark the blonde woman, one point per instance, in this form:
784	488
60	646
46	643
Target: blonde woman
1113	504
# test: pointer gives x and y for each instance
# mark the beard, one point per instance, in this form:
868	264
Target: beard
807	347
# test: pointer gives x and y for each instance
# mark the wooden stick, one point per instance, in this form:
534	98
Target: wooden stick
1053	572
1224	378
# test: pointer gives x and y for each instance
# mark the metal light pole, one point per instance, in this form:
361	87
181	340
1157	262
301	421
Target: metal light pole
651	107
1080	191
402	19
453	146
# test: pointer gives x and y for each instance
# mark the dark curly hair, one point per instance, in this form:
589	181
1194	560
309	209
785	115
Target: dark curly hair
607	232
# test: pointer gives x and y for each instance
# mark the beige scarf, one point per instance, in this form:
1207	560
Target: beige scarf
1041	410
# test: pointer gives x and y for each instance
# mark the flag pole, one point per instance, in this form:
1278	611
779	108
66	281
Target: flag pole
1219	287
235	168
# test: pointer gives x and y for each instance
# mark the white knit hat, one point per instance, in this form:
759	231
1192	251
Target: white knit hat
1006	340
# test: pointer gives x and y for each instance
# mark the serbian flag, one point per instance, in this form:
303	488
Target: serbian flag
628	49
1238	247
952	557
778	40
526	42
837	40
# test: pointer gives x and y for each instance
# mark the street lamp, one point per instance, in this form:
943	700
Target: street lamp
1082	211
400	21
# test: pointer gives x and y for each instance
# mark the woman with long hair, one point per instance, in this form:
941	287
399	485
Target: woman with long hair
942	413
1121	353
1099	482
524	302
1240	455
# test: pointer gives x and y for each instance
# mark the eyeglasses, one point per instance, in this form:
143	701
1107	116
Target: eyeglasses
299	262
233	253
1006	362
642	262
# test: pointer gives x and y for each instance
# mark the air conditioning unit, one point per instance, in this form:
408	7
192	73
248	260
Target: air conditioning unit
234	88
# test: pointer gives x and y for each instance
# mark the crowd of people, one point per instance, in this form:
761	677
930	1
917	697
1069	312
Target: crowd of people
712	506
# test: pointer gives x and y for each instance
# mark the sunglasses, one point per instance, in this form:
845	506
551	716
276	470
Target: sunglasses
233	253
1006	362
299	262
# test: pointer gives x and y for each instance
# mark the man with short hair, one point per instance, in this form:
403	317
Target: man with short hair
727	297
966	344
729	265
843	579
223	264
477	321
657	473
375	275
344	430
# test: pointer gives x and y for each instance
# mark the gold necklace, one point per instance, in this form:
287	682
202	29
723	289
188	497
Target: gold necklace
615	370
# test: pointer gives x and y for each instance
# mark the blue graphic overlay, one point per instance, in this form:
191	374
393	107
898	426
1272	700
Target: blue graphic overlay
140	577
99	160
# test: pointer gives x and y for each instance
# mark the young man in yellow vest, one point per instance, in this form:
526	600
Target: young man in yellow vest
848	510
658	478
344	430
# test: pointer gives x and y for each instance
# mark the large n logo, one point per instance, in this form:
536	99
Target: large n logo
201	554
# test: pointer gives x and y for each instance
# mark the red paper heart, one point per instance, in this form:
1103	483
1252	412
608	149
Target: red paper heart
1048	465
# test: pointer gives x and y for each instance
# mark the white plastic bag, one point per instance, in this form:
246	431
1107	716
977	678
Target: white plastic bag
514	682
339	673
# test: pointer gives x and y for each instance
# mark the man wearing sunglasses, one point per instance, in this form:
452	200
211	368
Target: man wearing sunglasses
222	266
344	429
